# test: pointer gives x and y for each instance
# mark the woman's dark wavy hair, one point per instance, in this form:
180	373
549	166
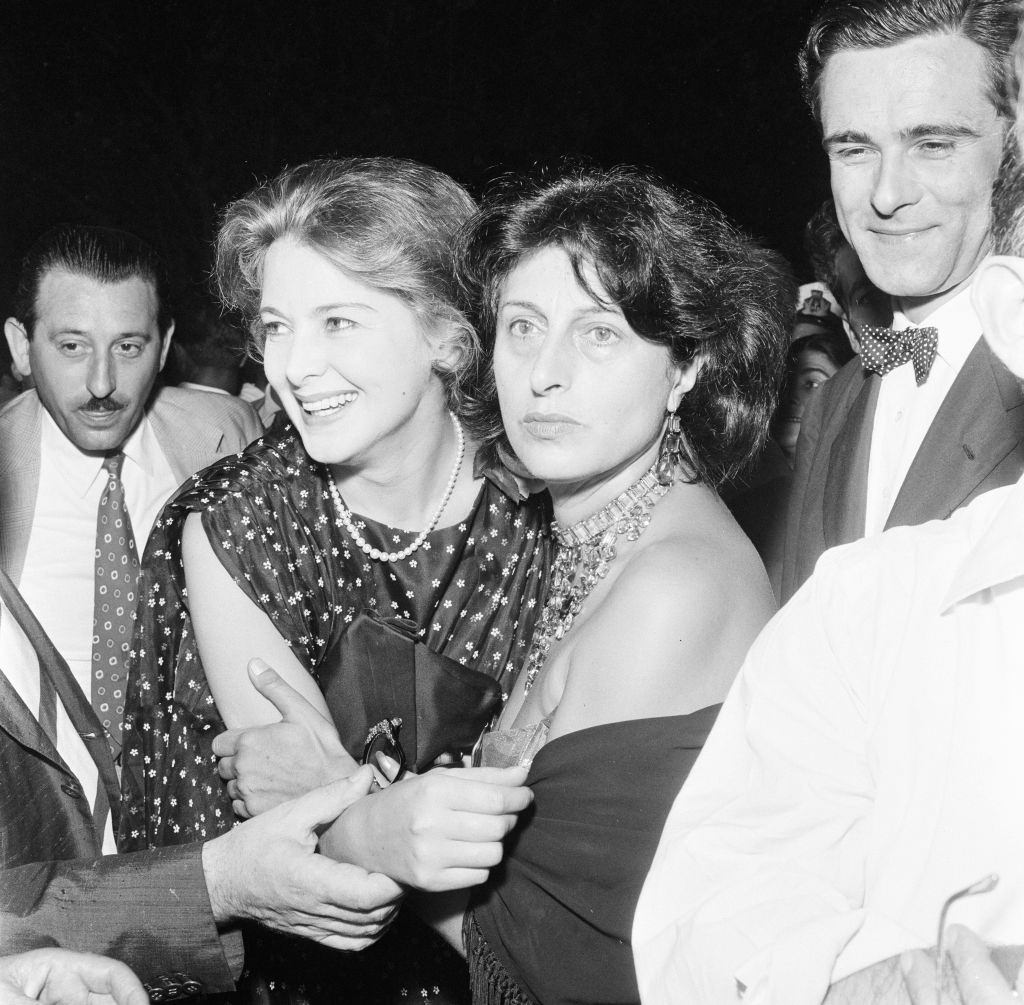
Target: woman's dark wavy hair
683	277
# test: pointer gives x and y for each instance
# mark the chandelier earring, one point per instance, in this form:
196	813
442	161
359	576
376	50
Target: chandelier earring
671	454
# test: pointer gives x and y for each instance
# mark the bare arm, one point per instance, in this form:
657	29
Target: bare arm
231	630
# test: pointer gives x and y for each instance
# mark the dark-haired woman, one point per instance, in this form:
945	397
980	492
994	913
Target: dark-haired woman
364	510
637	344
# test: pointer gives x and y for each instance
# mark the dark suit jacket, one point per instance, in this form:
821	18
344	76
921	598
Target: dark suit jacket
193	428
151	909
975	443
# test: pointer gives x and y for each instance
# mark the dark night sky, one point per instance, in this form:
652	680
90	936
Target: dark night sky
150	115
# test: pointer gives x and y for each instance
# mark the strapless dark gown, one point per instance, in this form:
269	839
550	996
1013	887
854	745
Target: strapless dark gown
552	925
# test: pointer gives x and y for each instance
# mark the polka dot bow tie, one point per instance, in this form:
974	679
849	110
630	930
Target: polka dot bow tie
882	350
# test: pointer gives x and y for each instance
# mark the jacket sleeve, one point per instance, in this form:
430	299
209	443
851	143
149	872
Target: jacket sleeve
151	910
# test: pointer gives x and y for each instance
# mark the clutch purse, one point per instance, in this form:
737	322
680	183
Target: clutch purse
379	671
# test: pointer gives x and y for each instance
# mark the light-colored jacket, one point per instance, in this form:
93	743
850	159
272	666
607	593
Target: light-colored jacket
193	429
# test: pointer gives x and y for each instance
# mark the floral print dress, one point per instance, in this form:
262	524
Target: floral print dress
474	589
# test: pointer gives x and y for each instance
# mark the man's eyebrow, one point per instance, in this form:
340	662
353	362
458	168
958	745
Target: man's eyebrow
849	136
143	335
952	130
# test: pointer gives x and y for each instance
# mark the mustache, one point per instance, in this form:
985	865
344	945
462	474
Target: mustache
103	405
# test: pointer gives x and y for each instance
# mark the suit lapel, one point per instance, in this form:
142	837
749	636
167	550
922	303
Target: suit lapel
188	445
79	710
846	482
17	720
979	422
20	436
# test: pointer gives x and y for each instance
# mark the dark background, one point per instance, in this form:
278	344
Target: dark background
149	116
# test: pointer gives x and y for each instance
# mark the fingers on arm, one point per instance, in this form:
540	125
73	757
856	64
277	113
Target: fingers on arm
226	744
292	704
489	791
977	977
324	805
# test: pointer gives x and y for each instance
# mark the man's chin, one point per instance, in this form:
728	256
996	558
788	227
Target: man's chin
95	436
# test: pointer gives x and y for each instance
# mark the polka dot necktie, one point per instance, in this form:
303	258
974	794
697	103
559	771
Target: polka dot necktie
116	576
882	350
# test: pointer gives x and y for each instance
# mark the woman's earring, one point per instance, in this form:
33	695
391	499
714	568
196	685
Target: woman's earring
671	451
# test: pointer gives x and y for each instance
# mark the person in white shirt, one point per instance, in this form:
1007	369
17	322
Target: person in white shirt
912	104
866	764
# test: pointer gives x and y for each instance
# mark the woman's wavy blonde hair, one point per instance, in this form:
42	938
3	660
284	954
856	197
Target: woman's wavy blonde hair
387	222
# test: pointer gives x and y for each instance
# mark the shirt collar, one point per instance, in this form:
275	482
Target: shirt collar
958	324
997	556
81	469
208	388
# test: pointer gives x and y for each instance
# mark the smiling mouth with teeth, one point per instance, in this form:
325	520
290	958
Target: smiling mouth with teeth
324	406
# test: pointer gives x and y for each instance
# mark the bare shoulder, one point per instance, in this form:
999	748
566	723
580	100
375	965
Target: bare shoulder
697	568
677	621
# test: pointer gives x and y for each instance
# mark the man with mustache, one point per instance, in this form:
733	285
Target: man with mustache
90	455
92	328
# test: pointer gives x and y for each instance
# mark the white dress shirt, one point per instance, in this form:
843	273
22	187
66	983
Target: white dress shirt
57	580
867	764
905	411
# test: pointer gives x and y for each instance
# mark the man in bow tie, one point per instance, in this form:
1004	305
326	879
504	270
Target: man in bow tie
912	104
859	796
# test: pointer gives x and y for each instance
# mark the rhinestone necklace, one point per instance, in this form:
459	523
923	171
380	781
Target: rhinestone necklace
585	551
345	514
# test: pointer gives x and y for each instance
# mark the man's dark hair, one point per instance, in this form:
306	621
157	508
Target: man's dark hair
842	25
101	253
823	240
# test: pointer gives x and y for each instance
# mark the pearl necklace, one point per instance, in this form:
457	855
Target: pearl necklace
585	551
345	514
